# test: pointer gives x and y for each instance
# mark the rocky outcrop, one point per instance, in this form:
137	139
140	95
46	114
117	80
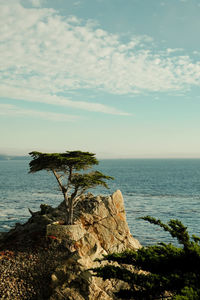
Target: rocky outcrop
100	228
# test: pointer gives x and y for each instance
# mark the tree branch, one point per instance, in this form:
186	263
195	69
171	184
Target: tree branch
77	200
63	189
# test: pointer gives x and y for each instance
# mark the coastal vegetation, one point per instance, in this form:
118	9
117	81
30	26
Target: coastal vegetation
68	169
162	271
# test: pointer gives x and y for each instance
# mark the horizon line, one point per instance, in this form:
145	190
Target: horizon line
111	158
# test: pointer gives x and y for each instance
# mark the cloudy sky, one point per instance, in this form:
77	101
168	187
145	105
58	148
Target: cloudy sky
117	78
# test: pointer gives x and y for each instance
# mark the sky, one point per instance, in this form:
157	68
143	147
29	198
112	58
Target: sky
117	78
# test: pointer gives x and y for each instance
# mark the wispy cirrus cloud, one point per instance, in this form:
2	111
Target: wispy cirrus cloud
40	97
44	54
15	111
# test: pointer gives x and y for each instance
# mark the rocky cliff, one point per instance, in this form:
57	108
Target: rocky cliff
100	228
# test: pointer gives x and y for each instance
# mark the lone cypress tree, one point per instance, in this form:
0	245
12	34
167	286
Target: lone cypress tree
65	167
162	271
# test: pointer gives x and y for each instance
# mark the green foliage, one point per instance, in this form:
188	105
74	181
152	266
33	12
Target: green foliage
187	294
92	179
174	227
76	160
64	165
166	271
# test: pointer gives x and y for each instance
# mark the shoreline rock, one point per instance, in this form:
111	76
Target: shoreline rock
100	228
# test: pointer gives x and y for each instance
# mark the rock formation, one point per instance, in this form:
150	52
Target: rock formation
100	228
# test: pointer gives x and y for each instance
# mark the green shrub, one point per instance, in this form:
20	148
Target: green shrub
171	272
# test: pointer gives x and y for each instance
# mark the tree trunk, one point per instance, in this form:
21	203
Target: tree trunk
70	212
63	189
69	203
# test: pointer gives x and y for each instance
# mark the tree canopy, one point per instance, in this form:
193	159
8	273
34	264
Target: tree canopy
65	162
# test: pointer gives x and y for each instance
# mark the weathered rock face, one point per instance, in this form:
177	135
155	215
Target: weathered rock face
100	229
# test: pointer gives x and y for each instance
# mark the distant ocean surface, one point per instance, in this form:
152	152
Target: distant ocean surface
162	188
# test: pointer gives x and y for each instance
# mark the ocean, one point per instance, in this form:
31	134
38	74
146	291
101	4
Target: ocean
162	188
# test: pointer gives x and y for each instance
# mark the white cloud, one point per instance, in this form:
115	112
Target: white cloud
44	54
170	50
12	110
39	97
36	3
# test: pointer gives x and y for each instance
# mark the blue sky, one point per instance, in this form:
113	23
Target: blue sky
117	78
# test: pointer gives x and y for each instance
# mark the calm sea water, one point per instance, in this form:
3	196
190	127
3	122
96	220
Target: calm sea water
162	188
